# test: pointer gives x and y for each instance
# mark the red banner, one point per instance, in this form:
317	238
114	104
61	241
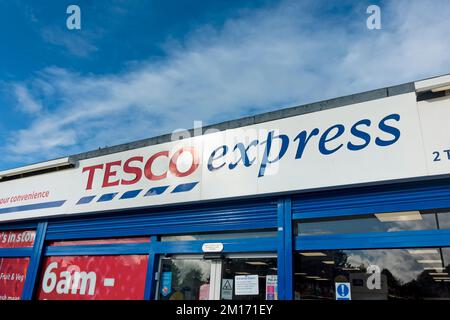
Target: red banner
93	278
13	272
17	238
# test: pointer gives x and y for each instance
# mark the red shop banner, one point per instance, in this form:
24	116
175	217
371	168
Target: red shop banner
17	238
93	278
13	272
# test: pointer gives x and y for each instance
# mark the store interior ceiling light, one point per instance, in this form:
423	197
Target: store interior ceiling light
300	274
312	277
399	216
313	254
429	261
328	261
423	251
242	273
442	278
434	268
438	274
321	279
256	263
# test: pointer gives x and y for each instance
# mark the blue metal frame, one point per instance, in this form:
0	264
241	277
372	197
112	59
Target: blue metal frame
35	260
229	246
281	250
98	249
421	195
152	266
16	252
288	251
21	226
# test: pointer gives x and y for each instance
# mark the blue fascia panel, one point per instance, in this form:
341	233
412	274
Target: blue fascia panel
100	249
229	245
15	252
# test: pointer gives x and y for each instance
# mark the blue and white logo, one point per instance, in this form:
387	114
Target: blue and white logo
343	291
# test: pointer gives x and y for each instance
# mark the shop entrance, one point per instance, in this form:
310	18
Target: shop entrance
218	277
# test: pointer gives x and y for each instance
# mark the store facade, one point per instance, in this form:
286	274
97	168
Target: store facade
347	198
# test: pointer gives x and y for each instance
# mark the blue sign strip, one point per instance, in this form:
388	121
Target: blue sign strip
107	197
131	194
85	200
155	191
44	205
184	187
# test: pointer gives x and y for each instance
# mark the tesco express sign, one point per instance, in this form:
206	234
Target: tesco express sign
325	141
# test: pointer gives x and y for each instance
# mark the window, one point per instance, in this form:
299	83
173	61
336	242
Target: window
13	272
115	277
375	274
379	222
93	277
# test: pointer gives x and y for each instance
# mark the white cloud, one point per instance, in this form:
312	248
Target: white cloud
25	101
78	43
280	56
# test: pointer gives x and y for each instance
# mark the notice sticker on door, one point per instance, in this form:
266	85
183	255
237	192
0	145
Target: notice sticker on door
227	289
246	285
166	283
271	287
343	291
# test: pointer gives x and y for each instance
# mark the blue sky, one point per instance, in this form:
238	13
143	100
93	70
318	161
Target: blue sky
142	68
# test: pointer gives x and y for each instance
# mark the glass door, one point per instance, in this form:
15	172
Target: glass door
249	277
184	278
232	277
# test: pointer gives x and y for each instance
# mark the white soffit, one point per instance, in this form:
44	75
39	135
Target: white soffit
433	83
36	167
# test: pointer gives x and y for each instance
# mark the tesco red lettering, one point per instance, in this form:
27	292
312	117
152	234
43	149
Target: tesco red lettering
109	173
135	168
91	170
173	162
127	168
148	166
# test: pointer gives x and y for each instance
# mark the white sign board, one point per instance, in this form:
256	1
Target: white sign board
386	139
212	247
246	285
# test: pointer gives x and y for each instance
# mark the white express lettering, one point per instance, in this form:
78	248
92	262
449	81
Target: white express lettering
69	282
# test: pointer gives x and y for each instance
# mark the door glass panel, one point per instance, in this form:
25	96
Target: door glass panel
184	279
376	274
249	279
